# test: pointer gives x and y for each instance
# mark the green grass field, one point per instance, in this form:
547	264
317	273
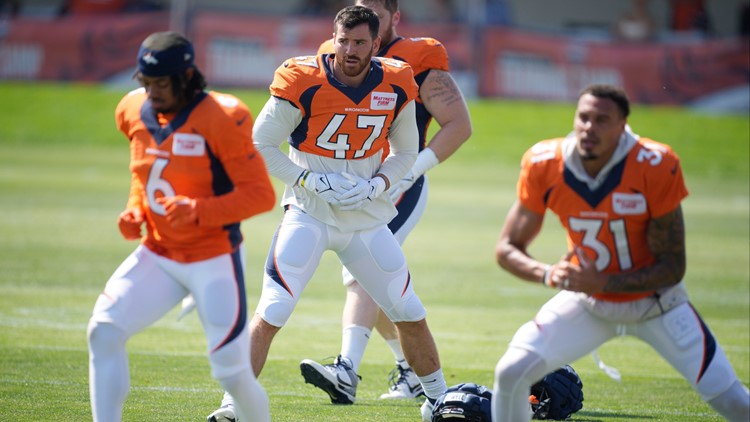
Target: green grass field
64	179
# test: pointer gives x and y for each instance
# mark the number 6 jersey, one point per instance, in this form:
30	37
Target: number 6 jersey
607	216
203	152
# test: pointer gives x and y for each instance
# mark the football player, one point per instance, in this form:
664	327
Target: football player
338	112
439	98
195	176
618	196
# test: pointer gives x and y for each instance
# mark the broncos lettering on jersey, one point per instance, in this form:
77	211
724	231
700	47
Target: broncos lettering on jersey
422	54
339	121
204	152
606	217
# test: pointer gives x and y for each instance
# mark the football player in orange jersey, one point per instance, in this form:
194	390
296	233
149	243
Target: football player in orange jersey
195	176
618	196
439	98
338	112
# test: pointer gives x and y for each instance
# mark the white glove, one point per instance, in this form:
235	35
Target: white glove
328	186
363	192
425	161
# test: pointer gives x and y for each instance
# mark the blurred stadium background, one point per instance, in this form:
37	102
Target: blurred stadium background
526	49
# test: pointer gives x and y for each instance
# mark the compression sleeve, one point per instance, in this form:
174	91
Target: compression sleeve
275	122
404	144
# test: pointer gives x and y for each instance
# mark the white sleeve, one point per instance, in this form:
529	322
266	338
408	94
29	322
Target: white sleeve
276	121
404	142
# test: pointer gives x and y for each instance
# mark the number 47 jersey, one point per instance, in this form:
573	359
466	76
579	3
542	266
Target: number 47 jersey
607	217
343	128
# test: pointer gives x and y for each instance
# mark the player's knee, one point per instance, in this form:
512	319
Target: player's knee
410	309
276	313
516	368
105	338
230	359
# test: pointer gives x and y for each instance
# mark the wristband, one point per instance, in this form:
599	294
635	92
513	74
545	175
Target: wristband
302	177
425	161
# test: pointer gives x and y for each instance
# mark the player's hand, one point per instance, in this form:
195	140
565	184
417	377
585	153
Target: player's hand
129	222
328	186
585	277
403	185
181	210
557	274
363	192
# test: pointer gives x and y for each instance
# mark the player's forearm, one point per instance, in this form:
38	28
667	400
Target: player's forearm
653	277
666	239
253	194
137	195
451	135
274	123
519	263
404	145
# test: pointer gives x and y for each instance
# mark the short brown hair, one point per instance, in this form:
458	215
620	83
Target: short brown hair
352	16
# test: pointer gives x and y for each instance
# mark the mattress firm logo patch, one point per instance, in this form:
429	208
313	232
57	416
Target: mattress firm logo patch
383	100
188	144
628	204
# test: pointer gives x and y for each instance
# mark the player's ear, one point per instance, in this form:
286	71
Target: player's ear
189	73
376	45
396	18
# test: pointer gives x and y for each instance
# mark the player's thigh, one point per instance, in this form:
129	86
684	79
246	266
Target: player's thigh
218	286
555	332
138	293
410	211
376	260
684	340
294	256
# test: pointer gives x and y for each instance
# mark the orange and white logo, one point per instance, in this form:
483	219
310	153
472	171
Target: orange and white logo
628	203
188	144
383	100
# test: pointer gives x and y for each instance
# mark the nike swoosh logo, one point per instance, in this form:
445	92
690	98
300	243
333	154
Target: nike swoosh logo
342	382
241	121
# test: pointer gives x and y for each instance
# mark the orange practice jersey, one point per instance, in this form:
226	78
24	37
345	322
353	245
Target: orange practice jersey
422	54
204	152
609	223
339	121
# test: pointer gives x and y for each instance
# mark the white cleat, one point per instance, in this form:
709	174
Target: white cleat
225	413
404	384
337	379
426	410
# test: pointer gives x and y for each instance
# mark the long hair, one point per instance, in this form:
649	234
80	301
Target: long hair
187	89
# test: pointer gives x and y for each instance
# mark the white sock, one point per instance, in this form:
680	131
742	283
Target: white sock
395	346
434	384
353	344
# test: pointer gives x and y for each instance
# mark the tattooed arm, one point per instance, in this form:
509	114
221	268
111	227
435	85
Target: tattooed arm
666	239
443	100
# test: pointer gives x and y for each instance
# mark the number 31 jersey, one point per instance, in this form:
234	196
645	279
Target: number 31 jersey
608	216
